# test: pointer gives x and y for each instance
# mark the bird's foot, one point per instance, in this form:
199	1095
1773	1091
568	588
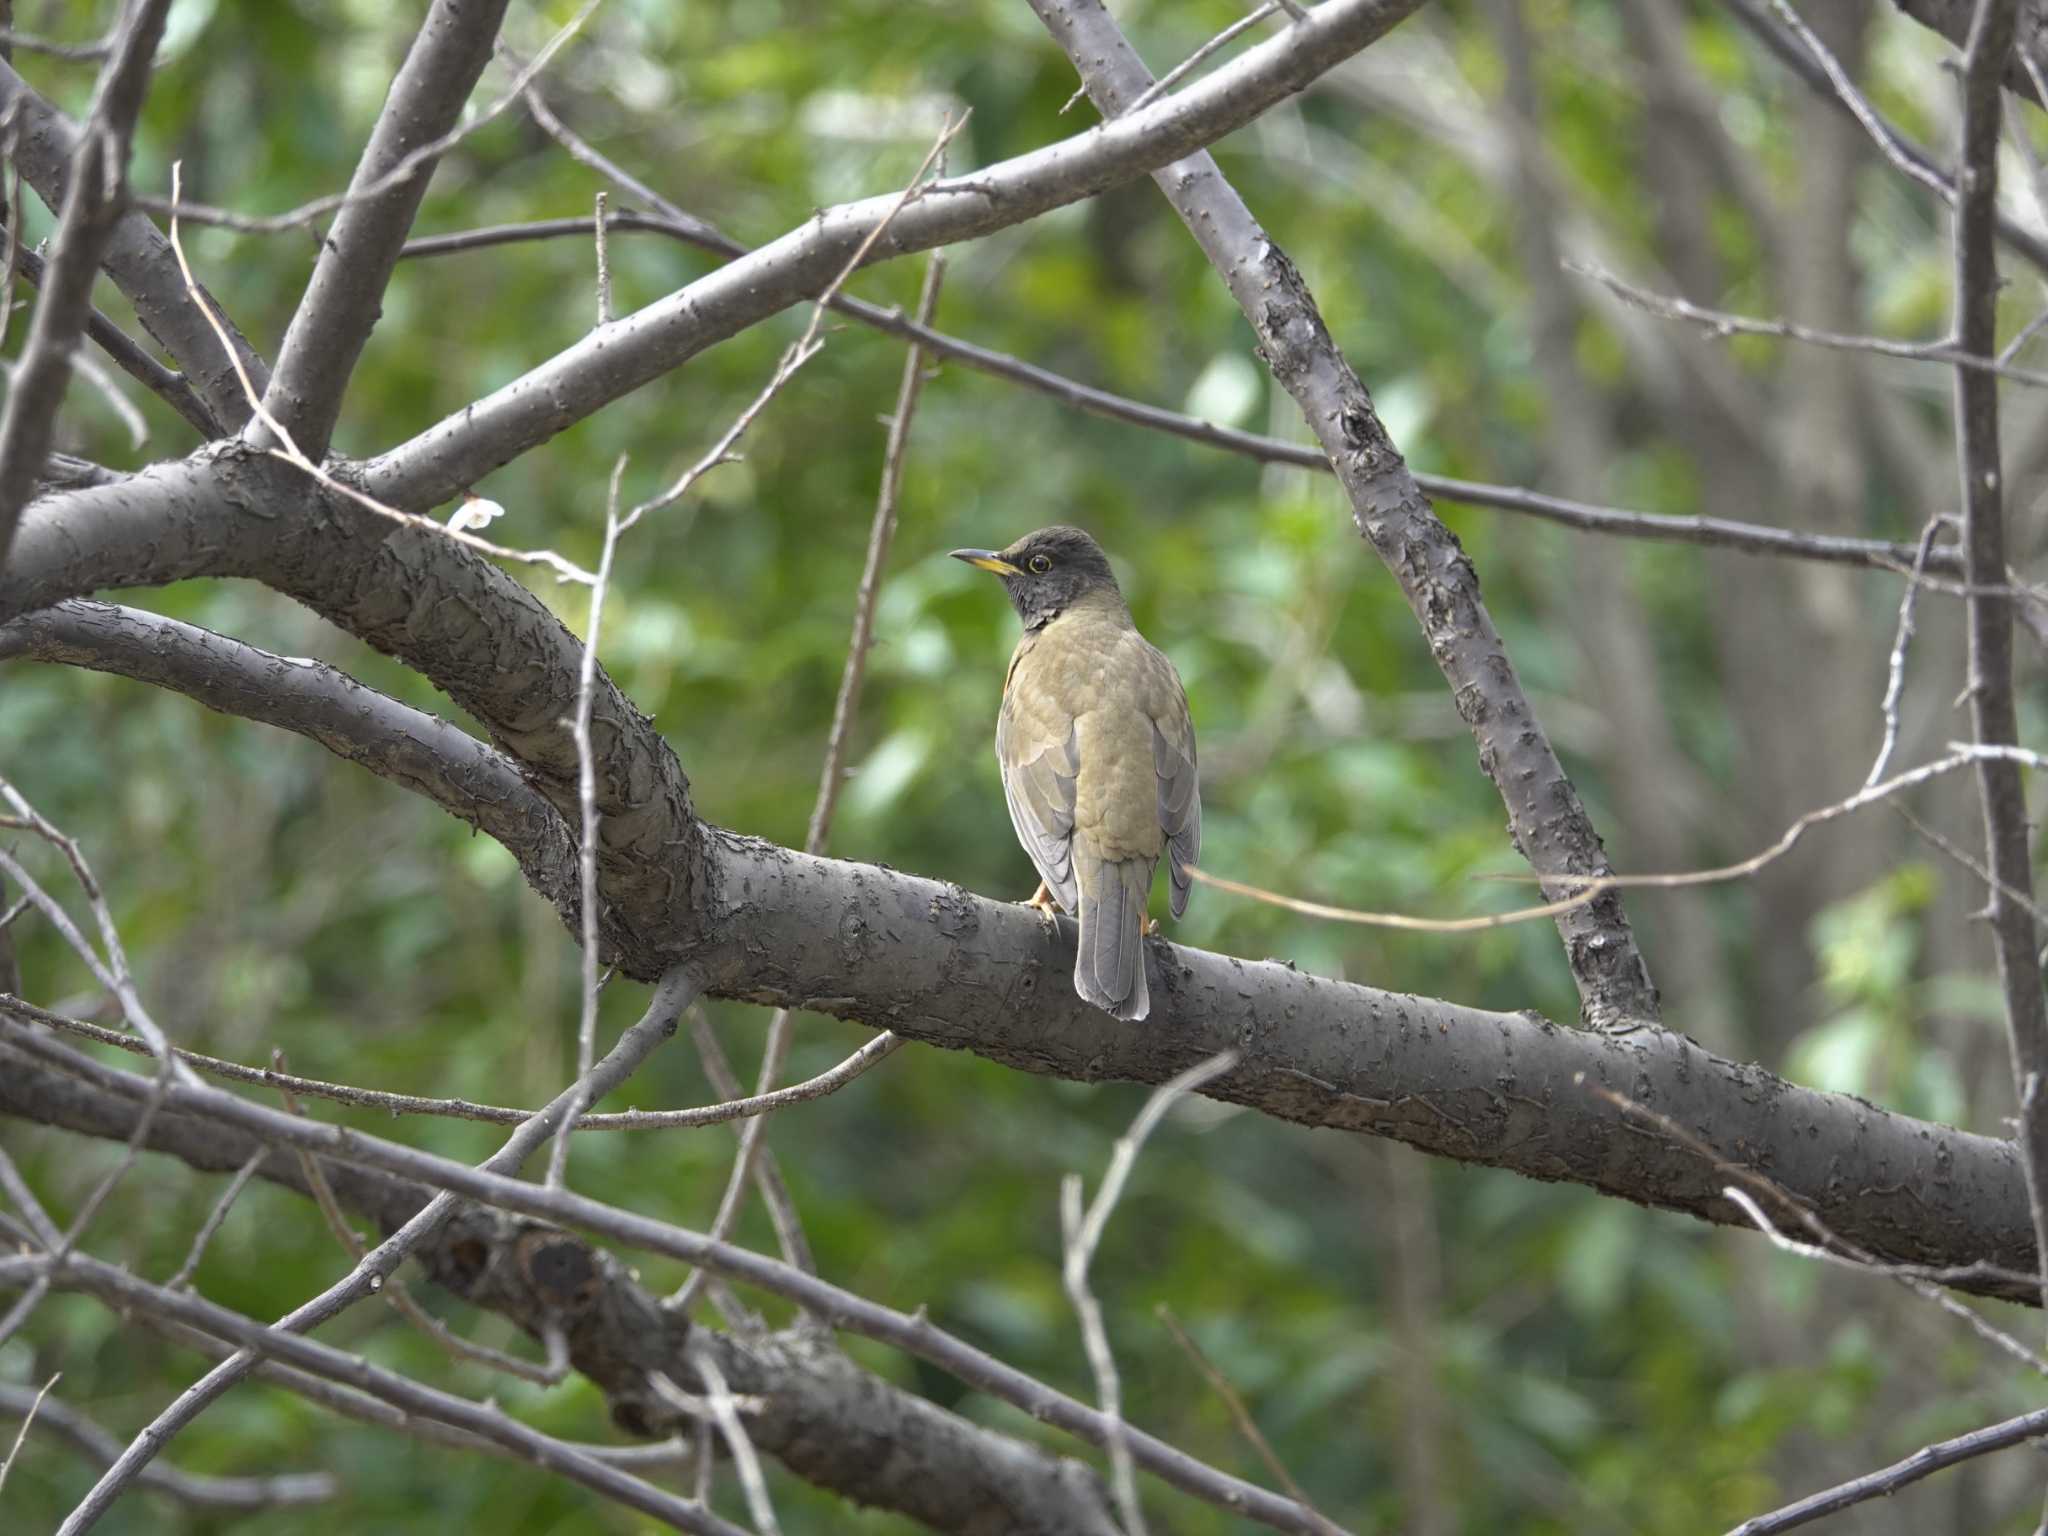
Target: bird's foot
1151	929
1043	904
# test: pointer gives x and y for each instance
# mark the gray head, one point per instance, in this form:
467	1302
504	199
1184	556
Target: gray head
1047	572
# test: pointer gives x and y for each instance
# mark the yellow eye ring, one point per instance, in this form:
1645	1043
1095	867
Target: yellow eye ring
1039	564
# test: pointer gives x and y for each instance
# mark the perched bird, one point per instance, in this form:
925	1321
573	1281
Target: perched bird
1098	757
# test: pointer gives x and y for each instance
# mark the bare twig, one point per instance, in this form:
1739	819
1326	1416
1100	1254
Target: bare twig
1587	886
1240	1415
725	1413
789	1232
1923	1280
1885	1482
77	53
808	345
24	1200
1722	324
1083	1234
113	973
27	1419
826	1082
414	162
214	1218
53	1417
1895	678
1860	108
586	802
394	1290
880	532
604	262
1195	60
127	354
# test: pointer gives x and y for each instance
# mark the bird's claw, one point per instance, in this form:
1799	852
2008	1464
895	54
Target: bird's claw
1042	903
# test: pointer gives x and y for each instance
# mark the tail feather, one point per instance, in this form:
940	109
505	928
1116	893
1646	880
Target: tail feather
1109	964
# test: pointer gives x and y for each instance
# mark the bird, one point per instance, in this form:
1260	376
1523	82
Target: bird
1097	752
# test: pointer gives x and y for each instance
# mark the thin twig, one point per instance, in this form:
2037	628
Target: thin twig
122	1290
1586	887
1240	1415
586	852
27	1419
1083	1234
394	1290
77	53
1194	61
415	159
1887	1481
808	345
1722	324
1860	108
604	262
789	1232
1923	1280
53	1417
825	1083
725	1413
1895	678
215	1217
15	1187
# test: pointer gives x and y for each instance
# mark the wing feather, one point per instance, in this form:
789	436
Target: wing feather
1180	794
1038	783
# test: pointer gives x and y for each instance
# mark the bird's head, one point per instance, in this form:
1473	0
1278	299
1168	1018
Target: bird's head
1047	572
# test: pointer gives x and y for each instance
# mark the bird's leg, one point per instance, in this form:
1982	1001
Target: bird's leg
1151	928
1043	904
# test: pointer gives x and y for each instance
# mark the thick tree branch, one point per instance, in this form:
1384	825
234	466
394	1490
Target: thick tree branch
1992	709
344	298
418	751
913	1333
1745	538
91	209
613	360
174	389
1549	824
492	645
827	1420
937	964
137	257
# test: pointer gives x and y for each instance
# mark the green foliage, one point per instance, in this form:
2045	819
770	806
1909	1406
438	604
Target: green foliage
1593	1366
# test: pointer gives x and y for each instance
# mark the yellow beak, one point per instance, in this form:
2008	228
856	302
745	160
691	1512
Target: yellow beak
987	560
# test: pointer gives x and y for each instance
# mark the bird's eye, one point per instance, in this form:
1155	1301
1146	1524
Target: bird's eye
1039	564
